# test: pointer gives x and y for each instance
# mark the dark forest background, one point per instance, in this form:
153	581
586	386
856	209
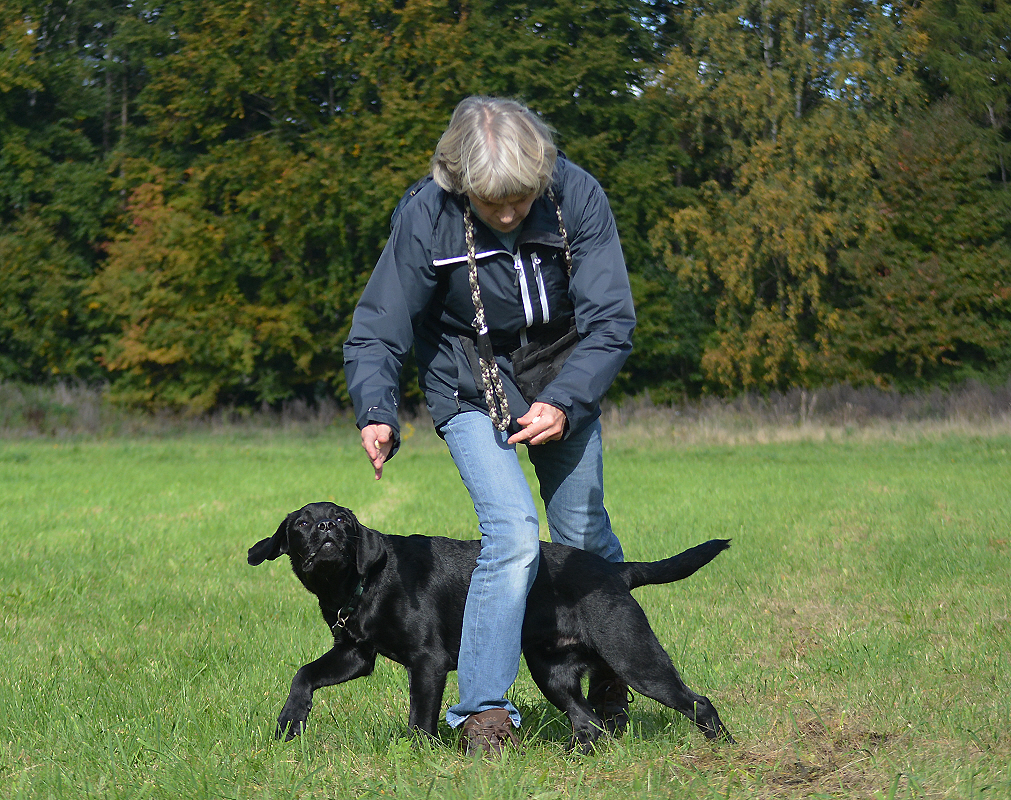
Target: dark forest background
192	195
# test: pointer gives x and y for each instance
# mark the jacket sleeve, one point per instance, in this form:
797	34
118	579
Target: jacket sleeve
382	328
600	293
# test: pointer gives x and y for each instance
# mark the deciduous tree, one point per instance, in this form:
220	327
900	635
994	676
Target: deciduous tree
788	107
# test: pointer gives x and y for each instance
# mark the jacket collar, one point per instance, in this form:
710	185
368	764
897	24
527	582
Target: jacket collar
449	245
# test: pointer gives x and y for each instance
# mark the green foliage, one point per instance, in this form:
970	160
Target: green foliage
43	316
968	55
193	195
578	64
672	324
56	194
790	105
192	335
54	201
932	286
287	152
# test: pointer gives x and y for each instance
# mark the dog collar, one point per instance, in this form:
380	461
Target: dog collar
349	608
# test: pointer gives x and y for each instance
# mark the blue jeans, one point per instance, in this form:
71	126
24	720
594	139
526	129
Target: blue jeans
570	474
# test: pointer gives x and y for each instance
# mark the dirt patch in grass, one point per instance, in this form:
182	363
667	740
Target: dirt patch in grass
811	761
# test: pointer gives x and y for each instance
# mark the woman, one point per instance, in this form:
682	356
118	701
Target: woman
507	241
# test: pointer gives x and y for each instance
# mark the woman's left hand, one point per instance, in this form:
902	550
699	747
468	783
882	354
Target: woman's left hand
542	423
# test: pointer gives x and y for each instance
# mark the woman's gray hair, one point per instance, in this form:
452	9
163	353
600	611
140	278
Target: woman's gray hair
494	148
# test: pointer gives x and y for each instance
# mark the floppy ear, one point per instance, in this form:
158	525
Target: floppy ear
269	549
371	549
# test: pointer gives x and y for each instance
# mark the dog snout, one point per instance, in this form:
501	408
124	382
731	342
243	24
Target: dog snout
326	526
329	528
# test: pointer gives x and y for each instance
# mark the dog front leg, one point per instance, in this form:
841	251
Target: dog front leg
427	684
340	664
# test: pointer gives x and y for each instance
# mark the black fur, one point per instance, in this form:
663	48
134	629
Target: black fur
580	618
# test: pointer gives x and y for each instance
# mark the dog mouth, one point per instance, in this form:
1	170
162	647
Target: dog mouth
324	546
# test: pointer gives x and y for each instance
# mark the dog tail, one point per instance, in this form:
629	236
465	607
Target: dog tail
675	568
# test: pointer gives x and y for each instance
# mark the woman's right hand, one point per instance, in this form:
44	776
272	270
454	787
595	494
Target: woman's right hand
377	439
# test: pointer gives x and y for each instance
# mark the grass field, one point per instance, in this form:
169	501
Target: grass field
856	638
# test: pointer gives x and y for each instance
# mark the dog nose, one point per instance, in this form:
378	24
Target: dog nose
326	525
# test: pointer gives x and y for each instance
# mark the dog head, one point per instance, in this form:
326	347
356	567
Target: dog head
323	541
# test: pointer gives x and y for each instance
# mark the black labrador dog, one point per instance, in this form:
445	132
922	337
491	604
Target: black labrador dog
402	597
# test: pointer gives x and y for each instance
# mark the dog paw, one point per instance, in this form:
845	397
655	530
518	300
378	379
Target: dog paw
289	729
715	731
722	736
292	721
584	741
583	748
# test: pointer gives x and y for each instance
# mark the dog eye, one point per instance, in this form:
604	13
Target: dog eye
302	523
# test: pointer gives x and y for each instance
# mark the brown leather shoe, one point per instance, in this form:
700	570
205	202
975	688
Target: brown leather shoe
487	733
610	699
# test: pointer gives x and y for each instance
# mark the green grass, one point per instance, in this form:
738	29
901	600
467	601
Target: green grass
856	638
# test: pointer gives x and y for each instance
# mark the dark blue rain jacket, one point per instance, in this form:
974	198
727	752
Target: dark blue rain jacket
419	294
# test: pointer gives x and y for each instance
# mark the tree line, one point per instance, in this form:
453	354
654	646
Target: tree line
192	195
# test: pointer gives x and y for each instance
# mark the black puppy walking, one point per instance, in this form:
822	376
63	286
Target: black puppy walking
402	597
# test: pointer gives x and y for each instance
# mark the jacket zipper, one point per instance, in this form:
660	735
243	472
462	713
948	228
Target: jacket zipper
541	290
528	308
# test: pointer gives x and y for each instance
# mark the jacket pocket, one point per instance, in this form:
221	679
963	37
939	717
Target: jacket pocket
538	363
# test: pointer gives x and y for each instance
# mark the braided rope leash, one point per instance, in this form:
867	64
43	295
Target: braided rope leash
494	390
562	231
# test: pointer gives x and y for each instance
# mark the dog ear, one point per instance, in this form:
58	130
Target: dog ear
371	549
269	549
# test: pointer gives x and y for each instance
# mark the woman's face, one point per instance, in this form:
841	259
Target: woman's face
503	215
